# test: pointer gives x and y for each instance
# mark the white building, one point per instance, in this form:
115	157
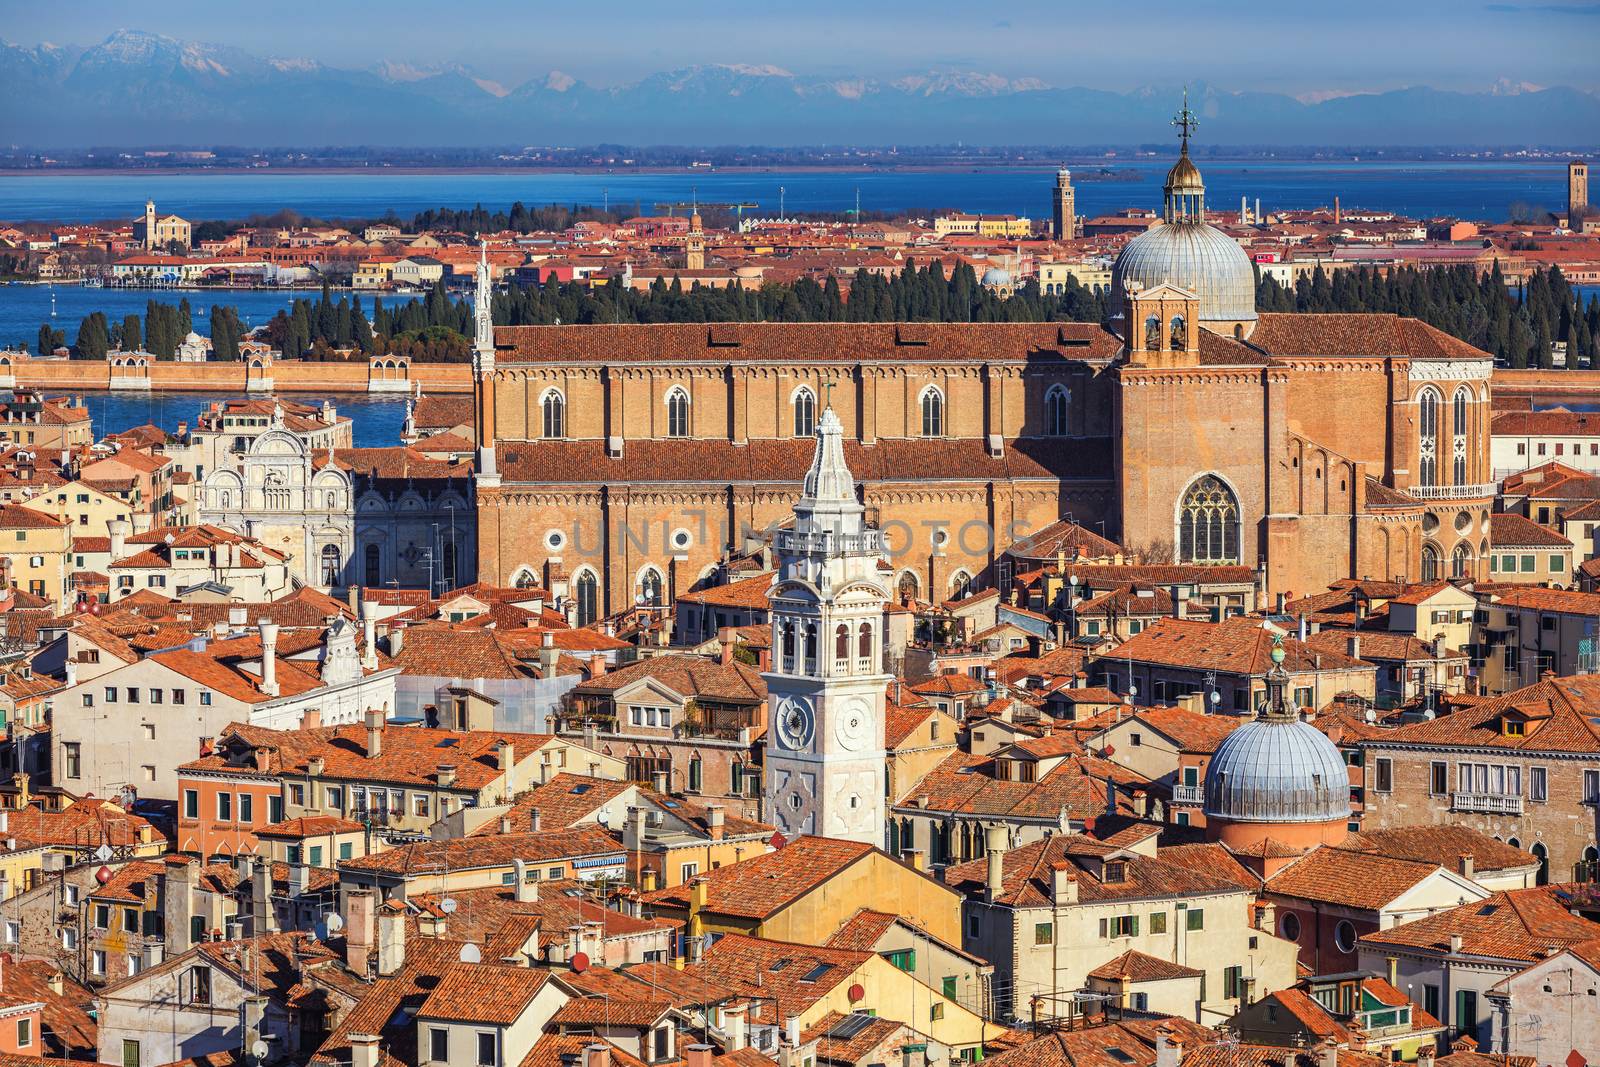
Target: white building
1519	440
825	749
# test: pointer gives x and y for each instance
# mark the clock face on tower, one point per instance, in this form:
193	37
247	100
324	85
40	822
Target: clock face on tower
852	728
795	723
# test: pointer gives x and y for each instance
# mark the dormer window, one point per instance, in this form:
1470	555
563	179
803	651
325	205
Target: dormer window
1513	727
1116	872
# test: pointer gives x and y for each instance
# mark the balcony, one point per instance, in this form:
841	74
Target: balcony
1486	803
1188	795
1481	491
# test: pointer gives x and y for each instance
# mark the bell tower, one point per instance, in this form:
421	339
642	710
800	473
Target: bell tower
1064	208
483	371
825	692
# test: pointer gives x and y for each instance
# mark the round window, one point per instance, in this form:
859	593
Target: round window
681	539
1430	522
1463	521
554	539
1344	935
1289	926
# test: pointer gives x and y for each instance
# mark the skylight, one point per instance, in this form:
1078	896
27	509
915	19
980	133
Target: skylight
816	972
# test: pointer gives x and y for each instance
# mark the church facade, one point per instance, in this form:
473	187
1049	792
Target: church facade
619	464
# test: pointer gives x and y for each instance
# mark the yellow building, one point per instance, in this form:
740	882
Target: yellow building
37	548
86	508
372	275
964	225
806	891
161	231
1053	277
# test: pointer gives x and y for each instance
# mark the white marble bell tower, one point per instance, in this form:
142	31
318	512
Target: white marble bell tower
825	692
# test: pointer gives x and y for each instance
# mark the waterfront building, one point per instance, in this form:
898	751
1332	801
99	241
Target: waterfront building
45	424
632	458
224	432
160	231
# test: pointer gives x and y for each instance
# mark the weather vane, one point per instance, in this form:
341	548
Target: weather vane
1186	121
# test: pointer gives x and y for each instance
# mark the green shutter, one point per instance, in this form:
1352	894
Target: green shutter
1133	926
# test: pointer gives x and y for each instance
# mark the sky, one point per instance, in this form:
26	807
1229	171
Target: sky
1308	49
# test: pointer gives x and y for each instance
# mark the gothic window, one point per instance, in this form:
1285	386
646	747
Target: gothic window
1428	433
1461	562
1208	523
1430	563
588	598
677	413
960	584
330	564
554	406
1056	404
374	559
805	413
841	646
650	588
696	774
1180	334
1152	333
908	586
864	645
525	580
932	413
1458	436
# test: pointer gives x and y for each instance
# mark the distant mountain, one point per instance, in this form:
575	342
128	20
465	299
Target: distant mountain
138	88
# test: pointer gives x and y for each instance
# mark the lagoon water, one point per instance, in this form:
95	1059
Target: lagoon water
1463	189
377	420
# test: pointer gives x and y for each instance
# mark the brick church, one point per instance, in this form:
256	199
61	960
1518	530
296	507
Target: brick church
620	464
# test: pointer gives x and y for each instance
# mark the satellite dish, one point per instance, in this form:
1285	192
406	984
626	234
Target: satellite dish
1216	697
469	954
580	962
603	819
259	1050
448	905
334	922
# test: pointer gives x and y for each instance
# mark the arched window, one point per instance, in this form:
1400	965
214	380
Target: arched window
787	644
1057	403
330	564
225	498
677	413
650	588
1179	333
1428	438
1208	523
588	598
811	647
525	580
841	646
374	565
960	584
805	412
1541	854
908	586
696	773
1461	562
1152	333
554	406
864	646
932	413
1430	563
1458	436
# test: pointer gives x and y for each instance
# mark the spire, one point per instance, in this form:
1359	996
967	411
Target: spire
1277	705
1185	190
482	312
828	497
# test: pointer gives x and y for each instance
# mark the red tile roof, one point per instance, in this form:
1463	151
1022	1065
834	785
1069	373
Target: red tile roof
762	886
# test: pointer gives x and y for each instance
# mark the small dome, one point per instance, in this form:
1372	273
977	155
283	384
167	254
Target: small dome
996	276
1196	256
1184	174
1277	770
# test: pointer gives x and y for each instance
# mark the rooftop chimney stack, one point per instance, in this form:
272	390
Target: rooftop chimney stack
269	657
374	721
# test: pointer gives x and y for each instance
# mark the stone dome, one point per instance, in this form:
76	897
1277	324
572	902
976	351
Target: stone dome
1193	255
1277	769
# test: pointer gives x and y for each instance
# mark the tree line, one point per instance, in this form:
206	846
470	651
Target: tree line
1519	327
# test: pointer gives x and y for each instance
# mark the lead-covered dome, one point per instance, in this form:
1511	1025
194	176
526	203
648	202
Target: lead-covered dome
1196	256
1277	769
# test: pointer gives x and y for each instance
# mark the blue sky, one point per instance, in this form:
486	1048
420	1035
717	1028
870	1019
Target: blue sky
1289	46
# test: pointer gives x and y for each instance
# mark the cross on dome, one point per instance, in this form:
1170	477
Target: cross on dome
1186	122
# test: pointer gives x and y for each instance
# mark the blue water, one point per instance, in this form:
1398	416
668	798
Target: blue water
377	420
1465	189
24	307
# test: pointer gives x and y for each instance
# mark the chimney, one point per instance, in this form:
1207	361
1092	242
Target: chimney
995	842
1352	646
446	775
397	640
1328	1054
791	1030
725	640
660	781
311	719
524	892
1466	866
238	618
56	983
269	657
505	757
1425	1053
363	1050
374	719
916	857
698	1056
735	1026
177	898
1063	883
597	1055
714	822
360	910
118	531
535	820
549	655
1455	944
369	636
597	666
391	943
1169	1050
1391	970
264	917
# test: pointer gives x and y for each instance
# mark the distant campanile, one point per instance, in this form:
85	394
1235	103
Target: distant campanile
1065	213
1577	193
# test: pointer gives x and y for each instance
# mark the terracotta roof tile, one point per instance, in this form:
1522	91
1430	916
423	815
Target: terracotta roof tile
1138	967
763	885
